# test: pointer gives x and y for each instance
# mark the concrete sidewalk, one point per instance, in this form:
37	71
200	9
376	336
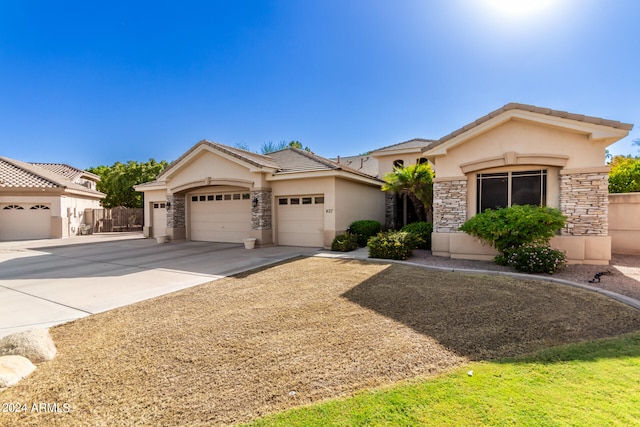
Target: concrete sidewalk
48	282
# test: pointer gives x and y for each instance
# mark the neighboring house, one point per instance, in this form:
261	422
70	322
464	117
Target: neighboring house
522	154
290	197
44	200
517	154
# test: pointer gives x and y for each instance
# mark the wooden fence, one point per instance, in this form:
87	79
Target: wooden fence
117	219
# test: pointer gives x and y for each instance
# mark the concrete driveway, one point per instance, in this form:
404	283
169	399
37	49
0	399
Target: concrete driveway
48	282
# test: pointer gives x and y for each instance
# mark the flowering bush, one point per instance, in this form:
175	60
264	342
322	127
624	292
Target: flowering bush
392	245
534	258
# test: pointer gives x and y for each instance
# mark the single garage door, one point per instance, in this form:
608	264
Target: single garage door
159	219
20	221
220	217
301	221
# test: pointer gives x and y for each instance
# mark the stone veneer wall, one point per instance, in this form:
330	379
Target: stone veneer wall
584	199
175	211
261	217
449	205
390	210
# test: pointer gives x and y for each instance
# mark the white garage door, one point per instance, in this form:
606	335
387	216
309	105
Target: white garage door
25	221
301	221
159	219
220	217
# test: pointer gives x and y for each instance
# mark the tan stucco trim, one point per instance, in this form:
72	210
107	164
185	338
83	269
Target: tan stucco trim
596	169
209	181
595	132
513	158
198	150
450	178
324	174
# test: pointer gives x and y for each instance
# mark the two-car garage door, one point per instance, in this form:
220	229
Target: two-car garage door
20	221
220	217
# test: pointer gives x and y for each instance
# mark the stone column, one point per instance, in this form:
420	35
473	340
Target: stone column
261	215
176	220
449	205
390	210
584	199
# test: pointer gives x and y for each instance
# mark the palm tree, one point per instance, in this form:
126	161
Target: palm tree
414	181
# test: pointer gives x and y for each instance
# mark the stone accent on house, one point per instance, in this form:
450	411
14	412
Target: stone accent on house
584	199
449	205
175	211
390	211
261	217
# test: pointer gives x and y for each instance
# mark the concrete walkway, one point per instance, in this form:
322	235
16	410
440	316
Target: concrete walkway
48	282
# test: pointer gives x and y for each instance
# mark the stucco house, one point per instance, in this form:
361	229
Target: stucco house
522	154
291	197
516	154
44	200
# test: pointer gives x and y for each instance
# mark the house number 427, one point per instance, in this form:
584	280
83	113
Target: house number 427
329	211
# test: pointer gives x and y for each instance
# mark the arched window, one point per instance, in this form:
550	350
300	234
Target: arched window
13	207
422	160
39	207
398	163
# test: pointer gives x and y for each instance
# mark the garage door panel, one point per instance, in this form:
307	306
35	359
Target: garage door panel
220	220
301	224
159	220
25	221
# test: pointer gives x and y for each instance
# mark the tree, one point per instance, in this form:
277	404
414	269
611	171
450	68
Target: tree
270	147
625	174
117	181
414	181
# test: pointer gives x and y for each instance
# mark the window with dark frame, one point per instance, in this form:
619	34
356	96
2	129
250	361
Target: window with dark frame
503	189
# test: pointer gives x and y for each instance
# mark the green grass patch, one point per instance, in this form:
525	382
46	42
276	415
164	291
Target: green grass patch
588	384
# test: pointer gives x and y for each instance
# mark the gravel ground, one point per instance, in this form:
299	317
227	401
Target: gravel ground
623	273
296	333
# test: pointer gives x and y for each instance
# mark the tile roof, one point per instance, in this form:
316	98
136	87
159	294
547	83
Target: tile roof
366	164
17	174
412	143
533	109
67	171
292	160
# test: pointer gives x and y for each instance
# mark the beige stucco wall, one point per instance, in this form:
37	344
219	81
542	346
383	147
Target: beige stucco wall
355	201
385	161
518	145
624	223
205	165
72	211
578	249
523	138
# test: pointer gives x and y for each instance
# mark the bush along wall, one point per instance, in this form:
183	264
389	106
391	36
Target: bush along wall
345	242
422	232
521	234
364	229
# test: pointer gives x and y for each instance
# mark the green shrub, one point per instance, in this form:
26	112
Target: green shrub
345	242
422	232
535	258
515	226
364	229
392	245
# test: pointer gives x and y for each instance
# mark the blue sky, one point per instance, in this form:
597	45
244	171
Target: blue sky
90	83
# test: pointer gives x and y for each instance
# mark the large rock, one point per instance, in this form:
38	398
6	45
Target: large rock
35	344
13	369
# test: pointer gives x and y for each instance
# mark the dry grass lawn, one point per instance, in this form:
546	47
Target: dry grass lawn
299	332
